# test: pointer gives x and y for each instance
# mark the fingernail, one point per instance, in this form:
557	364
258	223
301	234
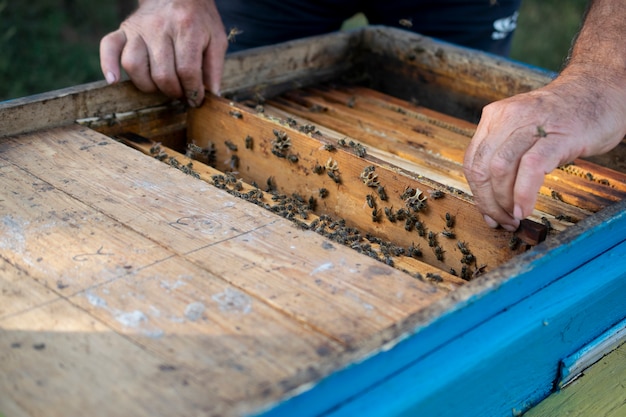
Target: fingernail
192	103
110	77
509	227
517	212
490	222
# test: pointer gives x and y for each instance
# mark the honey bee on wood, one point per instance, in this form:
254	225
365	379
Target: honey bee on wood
232	34
514	242
351	102
565	218
230	145
234	162
292	158
546	223
236	114
359	149
334	175
381	193
468	259
463	247
330	147
450	220
342	142
556	195
390	214
448	234
432	239
292	122
419	226
249	142
307	128
376	215
436	194
323	192
589	176
318	169
409	223
439	253
434	277
414	251
371	202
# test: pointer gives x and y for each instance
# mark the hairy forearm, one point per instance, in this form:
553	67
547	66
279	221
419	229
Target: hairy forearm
600	42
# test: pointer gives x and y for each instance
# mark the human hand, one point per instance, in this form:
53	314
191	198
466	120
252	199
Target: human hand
522	138
175	46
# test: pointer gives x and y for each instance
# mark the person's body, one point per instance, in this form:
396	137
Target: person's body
178	47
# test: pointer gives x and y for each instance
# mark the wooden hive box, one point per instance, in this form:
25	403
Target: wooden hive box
304	245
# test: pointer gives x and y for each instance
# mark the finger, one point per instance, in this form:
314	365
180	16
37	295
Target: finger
137	64
213	62
505	163
479	176
111	47
545	156
189	70
163	67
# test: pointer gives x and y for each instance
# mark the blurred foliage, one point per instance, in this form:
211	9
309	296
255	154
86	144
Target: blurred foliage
51	44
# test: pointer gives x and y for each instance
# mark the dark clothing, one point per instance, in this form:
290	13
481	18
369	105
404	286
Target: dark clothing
481	24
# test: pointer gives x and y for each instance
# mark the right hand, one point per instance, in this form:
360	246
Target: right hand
174	46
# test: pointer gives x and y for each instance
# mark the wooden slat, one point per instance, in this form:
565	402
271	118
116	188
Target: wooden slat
18	292
57	360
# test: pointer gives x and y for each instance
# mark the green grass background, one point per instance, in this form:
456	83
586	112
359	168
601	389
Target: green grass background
51	44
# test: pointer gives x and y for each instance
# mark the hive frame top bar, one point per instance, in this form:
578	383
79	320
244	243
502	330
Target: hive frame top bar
274	69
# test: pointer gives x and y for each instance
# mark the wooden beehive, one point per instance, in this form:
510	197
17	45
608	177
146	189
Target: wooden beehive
238	287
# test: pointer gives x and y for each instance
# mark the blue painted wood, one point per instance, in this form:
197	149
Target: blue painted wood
573	365
540	268
509	363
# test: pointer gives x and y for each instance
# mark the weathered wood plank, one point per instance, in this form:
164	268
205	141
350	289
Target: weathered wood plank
57	360
240	347
18	292
61	242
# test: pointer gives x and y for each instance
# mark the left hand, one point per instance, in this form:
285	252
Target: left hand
524	137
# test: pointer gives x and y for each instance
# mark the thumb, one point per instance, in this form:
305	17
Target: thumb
111	47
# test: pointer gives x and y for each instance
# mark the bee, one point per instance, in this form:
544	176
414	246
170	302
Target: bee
370	201
318	169
307	128
312	203
376	216
407	23
432	239
556	195
292	158
589	176
465	274
351	102
436	194
259	108
414	251
155	149
381	192
271	186
450	220
462	247
434	277
230	145
234	162
468	259
360	150
565	218
408	223
238	186
323	192
249	142
390	214
334	176
439	253
546	223
453	272
389	261
514	242
232	34
330	147
236	114
448	234
342	142
541	132
419	226
292	122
